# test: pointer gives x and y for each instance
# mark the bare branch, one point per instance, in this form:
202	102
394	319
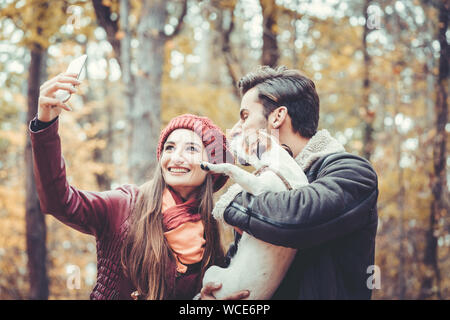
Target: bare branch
103	14
179	26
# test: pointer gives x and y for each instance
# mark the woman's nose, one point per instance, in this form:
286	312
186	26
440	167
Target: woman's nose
177	157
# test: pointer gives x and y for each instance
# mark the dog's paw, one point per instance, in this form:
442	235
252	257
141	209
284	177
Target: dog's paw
221	168
204	165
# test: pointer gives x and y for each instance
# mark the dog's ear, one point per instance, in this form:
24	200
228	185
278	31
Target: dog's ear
262	144
261	147
286	147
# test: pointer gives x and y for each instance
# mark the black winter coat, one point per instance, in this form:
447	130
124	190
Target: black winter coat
332	222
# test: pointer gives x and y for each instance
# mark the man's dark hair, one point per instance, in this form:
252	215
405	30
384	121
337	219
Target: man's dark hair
283	87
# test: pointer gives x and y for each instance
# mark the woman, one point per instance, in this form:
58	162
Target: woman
154	241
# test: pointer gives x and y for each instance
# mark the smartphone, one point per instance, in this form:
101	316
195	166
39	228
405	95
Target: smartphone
76	66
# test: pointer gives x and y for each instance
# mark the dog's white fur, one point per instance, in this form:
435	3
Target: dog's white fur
257	266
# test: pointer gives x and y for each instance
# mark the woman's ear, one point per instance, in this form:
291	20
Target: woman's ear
277	117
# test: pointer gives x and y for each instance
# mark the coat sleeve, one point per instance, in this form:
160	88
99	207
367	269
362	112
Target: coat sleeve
86	211
341	200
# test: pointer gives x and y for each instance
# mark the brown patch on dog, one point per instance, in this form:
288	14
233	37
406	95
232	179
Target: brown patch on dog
262	144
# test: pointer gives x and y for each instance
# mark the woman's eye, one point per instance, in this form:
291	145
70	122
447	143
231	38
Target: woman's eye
193	149
167	148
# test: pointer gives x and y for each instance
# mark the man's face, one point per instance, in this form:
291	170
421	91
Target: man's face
251	115
244	135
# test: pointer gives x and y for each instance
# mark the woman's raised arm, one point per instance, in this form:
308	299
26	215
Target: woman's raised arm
87	211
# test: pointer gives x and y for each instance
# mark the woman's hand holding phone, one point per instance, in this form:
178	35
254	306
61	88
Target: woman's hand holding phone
56	91
49	107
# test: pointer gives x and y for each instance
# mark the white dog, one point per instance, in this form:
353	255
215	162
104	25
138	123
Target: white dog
257	266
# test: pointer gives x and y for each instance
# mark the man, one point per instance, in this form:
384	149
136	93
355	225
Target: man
332	221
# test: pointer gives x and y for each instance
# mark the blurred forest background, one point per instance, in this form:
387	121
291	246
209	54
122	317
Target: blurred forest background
380	67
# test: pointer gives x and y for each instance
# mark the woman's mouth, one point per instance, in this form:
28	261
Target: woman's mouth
178	170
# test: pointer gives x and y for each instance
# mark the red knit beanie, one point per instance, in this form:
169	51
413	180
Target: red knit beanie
212	137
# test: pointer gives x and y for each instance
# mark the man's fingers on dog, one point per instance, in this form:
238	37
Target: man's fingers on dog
211	286
207	291
238	295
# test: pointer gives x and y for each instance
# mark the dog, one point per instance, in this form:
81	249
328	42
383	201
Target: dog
257	266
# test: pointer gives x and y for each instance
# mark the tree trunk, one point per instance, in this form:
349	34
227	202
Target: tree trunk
35	222
125	56
104	155
100	155
146	114
231	61
143	91
295	35
209	51
125	53
103	14
270	52
401	208
431	281
368	115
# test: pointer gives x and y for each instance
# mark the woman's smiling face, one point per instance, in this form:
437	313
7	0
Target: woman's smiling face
180	161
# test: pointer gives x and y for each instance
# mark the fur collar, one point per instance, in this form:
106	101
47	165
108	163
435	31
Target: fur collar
321	144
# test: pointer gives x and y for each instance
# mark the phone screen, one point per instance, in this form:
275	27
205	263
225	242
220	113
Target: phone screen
77	65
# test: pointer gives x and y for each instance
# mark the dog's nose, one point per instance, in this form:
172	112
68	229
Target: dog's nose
234	134
235	131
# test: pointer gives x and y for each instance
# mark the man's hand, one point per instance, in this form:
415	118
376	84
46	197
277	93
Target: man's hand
210	287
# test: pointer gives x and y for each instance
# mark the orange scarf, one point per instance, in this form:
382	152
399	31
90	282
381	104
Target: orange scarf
183	228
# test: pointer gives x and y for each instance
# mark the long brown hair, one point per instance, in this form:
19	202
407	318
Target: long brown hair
146	254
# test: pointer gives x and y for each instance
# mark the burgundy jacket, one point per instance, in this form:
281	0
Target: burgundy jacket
101	214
